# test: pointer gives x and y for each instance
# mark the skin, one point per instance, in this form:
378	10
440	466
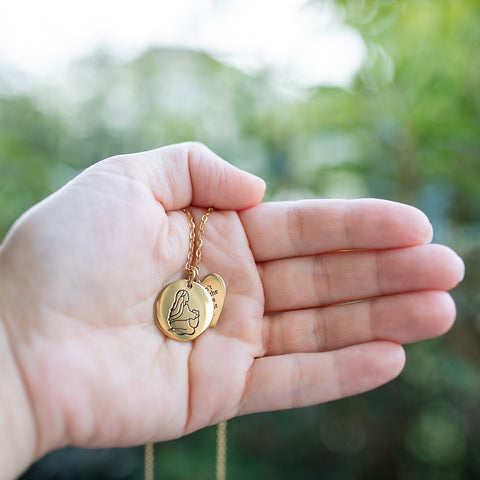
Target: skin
83	363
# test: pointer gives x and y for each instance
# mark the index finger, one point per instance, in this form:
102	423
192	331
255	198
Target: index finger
308	227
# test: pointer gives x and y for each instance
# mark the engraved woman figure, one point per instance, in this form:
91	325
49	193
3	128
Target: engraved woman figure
181	319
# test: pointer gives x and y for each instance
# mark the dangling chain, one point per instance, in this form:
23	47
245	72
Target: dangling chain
221	460
221	466
193	261
149	461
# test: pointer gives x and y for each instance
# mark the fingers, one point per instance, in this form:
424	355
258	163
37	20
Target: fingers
403	318
298	380
191	174
347	276
308	227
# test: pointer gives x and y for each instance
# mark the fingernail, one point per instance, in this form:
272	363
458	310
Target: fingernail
430	234
462	266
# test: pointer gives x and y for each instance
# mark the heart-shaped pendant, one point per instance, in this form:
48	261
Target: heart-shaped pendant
215	286
184	312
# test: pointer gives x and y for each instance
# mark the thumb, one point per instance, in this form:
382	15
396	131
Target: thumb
191	174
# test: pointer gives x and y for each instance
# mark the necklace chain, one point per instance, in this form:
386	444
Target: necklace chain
221	460
221	466
195	248
149	461
192	267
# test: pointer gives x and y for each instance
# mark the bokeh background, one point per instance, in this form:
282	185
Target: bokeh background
394	114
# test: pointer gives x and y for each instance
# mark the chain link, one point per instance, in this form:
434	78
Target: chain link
194	255
149	461
221	465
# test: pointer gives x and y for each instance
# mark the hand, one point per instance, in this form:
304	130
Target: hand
81	270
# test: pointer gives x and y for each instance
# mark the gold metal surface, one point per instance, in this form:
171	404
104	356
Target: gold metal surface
221	463
195	254
182	312
215	286
149	470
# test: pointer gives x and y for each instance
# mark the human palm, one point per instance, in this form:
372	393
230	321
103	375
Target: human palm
88	262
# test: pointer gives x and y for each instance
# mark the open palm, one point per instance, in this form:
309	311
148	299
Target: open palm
85	266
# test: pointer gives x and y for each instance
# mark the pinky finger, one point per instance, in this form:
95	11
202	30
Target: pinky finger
302	379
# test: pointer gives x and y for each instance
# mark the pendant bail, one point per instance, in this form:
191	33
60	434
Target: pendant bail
193	275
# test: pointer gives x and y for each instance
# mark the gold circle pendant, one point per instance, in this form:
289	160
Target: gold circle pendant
182	312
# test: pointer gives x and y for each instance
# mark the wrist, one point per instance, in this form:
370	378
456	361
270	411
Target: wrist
18	439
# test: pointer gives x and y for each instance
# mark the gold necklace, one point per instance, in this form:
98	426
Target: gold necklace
184	310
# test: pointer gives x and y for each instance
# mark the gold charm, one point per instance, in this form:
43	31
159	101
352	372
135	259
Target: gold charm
185	309
182	312
215	286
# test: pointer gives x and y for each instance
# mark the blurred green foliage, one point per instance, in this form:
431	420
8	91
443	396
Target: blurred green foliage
408	129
